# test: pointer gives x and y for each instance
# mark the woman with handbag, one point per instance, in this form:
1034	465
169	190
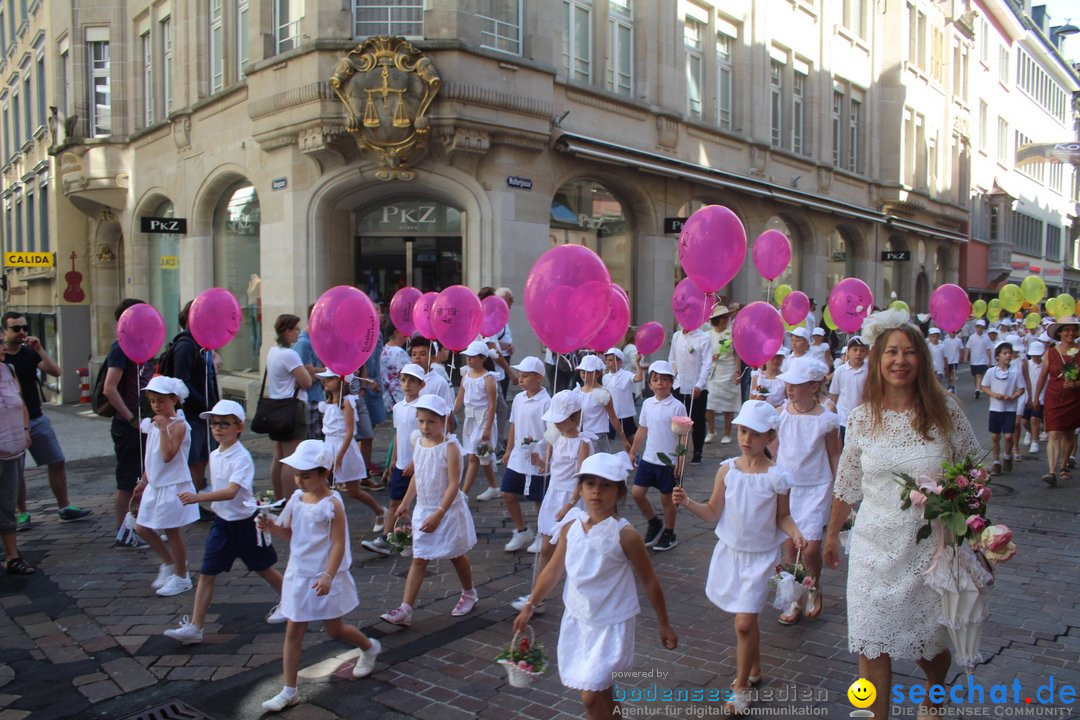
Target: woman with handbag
285	377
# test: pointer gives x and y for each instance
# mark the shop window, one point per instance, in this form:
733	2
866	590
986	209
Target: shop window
163	271
237	268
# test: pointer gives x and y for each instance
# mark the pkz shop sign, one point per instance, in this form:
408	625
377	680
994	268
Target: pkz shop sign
163	225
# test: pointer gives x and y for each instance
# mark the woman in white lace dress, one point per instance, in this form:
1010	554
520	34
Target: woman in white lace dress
905	424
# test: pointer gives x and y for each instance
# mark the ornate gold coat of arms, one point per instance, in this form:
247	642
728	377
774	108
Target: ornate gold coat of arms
388	87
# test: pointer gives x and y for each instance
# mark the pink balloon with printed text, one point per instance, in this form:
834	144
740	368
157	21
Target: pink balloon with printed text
496	314
950	307
795	307
690	304
757	333
344	328
771	255
140	332
849	304
457	317
618	320
712	247
649	337
421	314
401	309
567	297
214	318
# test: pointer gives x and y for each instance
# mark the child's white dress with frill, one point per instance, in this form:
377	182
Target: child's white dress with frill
160	508
594	416
456	534
561	486
802	446
476	409
352	464
749	540
309	549
596	637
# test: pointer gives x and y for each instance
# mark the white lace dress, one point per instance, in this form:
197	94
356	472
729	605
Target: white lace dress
891	609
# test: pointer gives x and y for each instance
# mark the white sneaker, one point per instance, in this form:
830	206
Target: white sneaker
274	617
281	701
1027	438
519	605
709	437
1033	448
1043	437
163	574
174	586
490	494
519	540
380	522
366	662
726	439
535	546
187	633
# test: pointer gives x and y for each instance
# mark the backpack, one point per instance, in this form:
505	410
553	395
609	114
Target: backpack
98	402
167	361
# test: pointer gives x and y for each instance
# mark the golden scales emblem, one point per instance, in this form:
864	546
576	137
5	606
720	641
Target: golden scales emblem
388	86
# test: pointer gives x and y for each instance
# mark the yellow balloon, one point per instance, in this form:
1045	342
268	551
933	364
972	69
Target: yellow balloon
781	292
1066	305
1033	289
828	319
978	308
1011	297
899	305
1032	321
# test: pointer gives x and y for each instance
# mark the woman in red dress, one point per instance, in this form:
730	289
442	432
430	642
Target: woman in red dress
1061	408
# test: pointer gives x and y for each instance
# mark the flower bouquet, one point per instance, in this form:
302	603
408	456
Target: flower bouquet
790	582
1070	371
483	450
400	537
266	503
523	659
681	425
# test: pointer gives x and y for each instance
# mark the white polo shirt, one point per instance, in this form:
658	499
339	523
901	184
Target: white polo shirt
847	385
621	386
656	416
435	383
525	414
404	423
1003	382
953	346
233	465
979	348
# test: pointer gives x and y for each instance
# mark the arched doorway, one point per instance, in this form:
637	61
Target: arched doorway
942	271
237	219
585	212
922	293
163	271
892	285
840	260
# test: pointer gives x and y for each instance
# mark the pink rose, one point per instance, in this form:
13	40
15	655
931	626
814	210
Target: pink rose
917	498
983	492
523	665
681	425
976	522
979	475
961	482
1003	555
808	582
996	537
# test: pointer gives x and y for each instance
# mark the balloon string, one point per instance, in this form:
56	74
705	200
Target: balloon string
206	391
138	414
547	477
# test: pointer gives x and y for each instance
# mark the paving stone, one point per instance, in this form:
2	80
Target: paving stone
128	674
98	691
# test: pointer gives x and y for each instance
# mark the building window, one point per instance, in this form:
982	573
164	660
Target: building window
776	102
620	47
937	55
388	17
693	30
287	17
577	40
43	211
1057	173
984	126
242	15
9	234
28	104
167	63
148	79
1028	234
65	80
916	29
837	127
1003	142
236	267
984	42
798	120
725	79
1053	242
20	239
16	122
500	25
31	223
4	133
217	45
855	16
3	33
41	102
960	70
100	92
855	122
1003	65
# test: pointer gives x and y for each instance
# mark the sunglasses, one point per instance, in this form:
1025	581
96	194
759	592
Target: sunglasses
221	423
19	328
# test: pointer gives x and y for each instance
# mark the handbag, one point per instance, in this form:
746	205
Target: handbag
280	416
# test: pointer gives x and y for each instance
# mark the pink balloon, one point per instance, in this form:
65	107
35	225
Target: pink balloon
712	247
496	314
795	307
772	253
849	303
690	304
214	318
649	338
344	328
457	317
757	333
950	307
141	332
567	297
619	289
401	309
421	314
618	320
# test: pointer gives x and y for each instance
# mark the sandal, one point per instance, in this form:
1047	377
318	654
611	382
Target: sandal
1065	475
739	704
792	615
1050	479
818	604
18	566
753	679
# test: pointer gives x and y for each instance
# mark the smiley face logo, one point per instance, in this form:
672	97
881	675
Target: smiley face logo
862	693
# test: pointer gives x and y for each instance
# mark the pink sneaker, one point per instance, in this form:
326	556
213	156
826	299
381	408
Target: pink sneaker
401	615
465	604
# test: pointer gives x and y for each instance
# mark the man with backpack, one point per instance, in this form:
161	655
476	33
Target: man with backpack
25	354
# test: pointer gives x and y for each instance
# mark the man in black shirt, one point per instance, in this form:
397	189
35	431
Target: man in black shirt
26	355
190	364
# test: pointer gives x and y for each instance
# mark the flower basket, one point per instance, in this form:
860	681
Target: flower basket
523	660
791	582
400	537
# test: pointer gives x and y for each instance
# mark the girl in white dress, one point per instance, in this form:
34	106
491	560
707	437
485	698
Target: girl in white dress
165	476
597	407
809	437
317	583
749	505
442	526
339	427
600	553
478	395
906	424
765	383
565	454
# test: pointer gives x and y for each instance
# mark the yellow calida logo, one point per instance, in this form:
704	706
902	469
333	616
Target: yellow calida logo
862	693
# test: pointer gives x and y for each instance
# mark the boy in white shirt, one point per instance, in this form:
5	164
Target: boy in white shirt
979	347
655	436
526	447
937	353
847	383
233	534
425	353
620	383
1003	386
954	346
401	466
